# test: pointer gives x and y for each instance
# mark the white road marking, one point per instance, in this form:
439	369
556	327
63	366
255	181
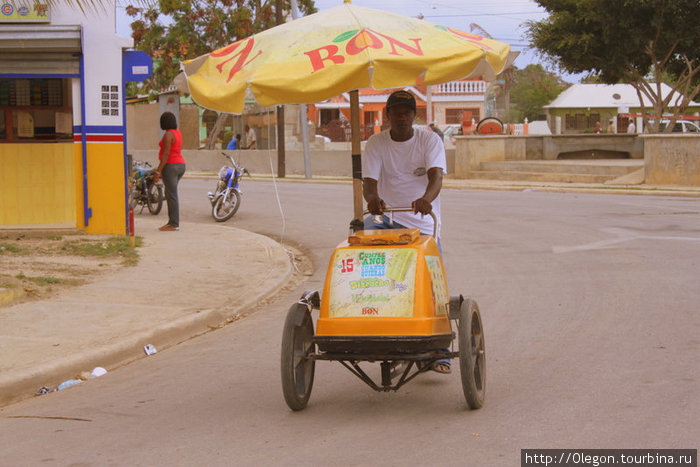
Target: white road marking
623	235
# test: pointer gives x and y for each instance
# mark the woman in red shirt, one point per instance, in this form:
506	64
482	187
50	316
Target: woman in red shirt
171	167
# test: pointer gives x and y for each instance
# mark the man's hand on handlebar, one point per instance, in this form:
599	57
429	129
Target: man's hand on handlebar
376	206
421	205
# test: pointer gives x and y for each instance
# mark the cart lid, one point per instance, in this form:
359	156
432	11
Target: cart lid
384	237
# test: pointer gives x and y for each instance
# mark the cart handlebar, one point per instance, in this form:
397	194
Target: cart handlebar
407	209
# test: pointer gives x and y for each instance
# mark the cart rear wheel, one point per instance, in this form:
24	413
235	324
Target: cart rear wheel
296	366
472	354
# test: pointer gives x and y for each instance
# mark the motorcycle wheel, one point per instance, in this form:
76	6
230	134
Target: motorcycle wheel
225	206
154	198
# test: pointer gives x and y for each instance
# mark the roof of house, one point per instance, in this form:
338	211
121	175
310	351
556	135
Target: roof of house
370	95
381	95
367	95
601	95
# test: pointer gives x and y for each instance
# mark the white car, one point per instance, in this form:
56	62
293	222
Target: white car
681	126
450	131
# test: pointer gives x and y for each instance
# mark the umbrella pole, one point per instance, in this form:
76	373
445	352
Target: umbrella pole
356	154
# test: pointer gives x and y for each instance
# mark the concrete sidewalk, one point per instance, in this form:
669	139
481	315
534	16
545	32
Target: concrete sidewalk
186	283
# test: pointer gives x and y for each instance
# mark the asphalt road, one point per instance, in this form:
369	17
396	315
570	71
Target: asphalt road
590	307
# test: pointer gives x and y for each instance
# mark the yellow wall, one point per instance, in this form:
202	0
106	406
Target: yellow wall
41	186
37	186
106	191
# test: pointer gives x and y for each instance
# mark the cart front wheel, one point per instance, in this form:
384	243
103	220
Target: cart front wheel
472	354
296	365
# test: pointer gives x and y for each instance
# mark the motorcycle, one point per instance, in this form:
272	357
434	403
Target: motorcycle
143	190
227	197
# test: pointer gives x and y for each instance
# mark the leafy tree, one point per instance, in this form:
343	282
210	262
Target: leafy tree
174	30
591	78
83	5
640	42
534	88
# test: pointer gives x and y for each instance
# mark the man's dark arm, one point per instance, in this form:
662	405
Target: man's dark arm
375	204
423	204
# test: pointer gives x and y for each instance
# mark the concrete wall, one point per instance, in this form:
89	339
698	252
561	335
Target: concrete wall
143	126
324	162
672	160
669	159
257	161
534	148
471	151
553	145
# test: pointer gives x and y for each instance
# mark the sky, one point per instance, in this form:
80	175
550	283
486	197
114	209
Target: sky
502	19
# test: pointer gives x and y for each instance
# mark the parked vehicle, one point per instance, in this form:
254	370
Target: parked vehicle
450	131
227	197
681	126
143	190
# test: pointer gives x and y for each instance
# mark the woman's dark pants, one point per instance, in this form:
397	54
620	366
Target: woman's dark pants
172	173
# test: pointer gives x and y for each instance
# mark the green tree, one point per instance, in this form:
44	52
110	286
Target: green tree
175	30
591	78
534	88
640	42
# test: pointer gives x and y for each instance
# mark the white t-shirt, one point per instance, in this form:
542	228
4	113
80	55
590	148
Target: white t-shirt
401	171
250	136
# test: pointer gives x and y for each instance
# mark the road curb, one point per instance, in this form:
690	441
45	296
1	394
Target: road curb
600	190
479	184
17	386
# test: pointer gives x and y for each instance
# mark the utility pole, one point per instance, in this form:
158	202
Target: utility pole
281	164
302	117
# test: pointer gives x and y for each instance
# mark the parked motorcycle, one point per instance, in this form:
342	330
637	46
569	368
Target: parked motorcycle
227	197
143	190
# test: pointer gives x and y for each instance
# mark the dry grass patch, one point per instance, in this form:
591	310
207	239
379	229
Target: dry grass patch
43	265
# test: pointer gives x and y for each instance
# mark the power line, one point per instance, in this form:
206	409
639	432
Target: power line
489	14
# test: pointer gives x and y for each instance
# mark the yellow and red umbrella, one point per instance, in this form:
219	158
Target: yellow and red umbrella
337	50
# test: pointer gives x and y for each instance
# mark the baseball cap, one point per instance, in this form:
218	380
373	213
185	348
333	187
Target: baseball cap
401	98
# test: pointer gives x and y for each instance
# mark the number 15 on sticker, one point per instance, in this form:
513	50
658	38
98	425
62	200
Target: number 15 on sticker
348	265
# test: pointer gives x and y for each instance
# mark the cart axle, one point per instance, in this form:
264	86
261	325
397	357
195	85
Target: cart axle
388	365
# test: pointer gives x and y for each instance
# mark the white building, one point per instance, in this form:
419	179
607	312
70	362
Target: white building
62	118
578	108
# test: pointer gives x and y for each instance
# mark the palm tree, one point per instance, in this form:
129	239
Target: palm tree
508	75
87	4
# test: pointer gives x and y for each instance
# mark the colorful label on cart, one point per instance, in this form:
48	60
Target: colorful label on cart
440	295
373	282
